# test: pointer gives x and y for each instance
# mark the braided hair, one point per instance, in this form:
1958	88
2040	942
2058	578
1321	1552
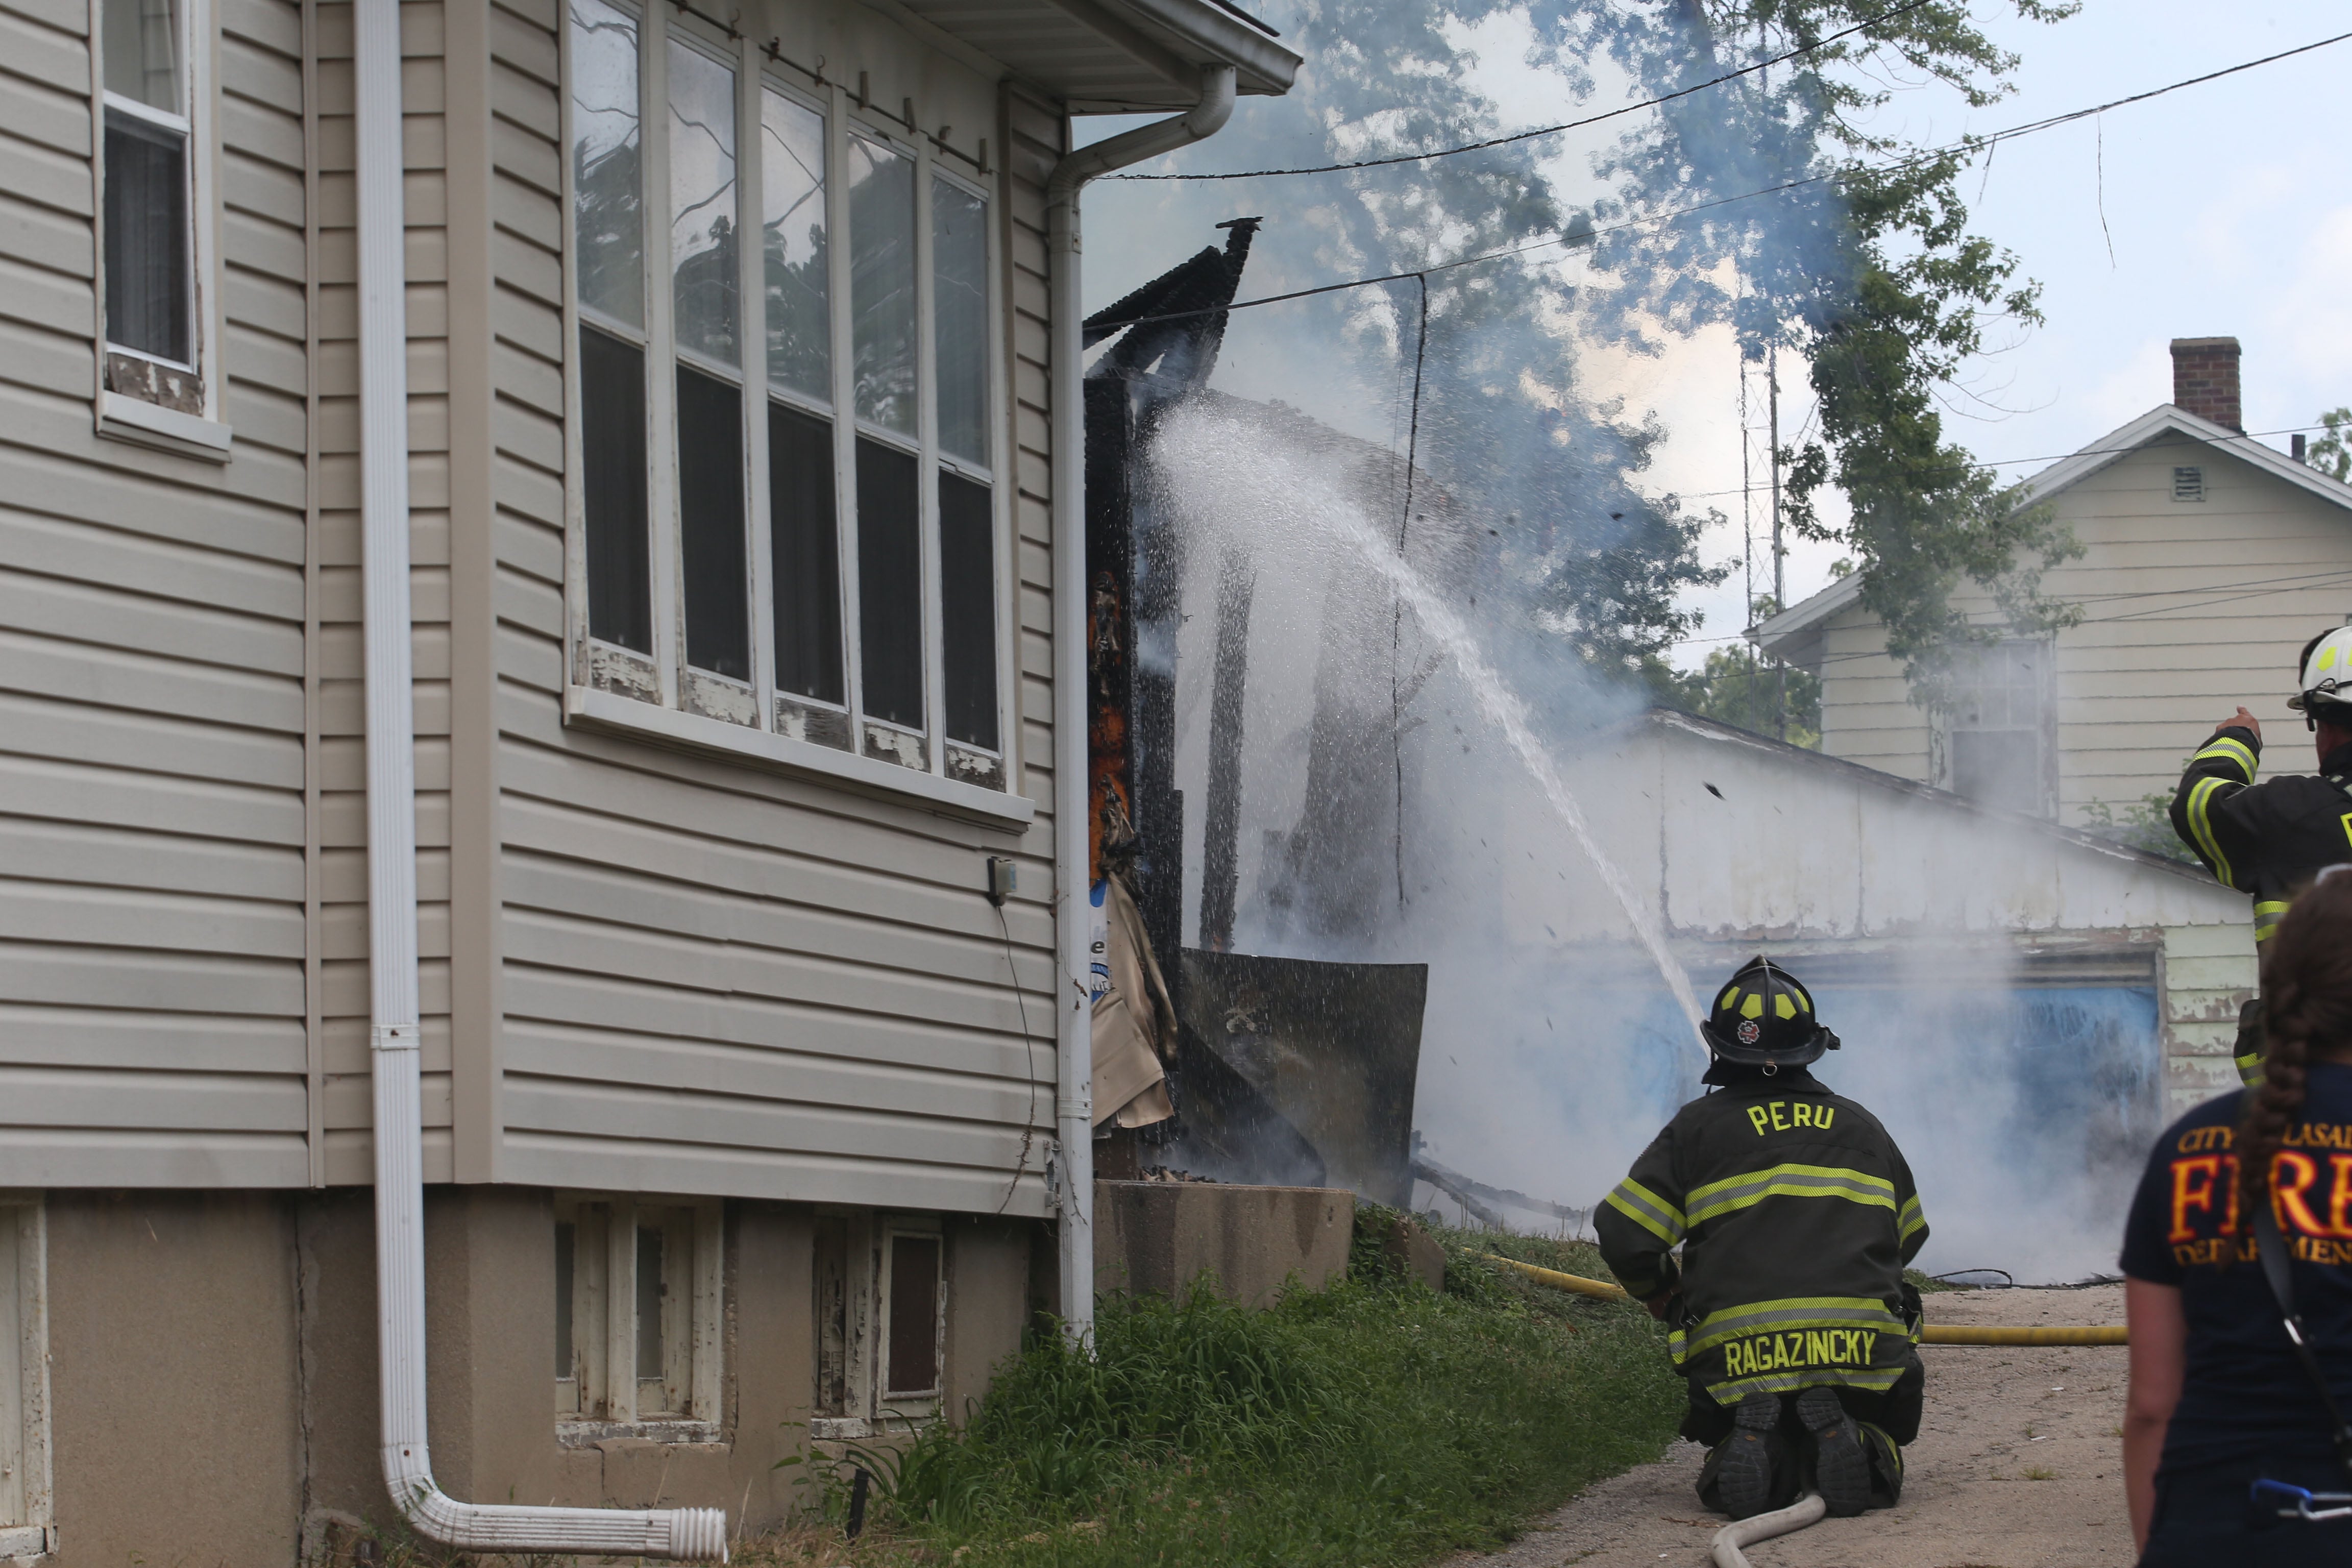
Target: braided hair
2307	1006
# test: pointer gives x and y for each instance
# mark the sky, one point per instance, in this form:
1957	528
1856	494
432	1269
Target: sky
2219	210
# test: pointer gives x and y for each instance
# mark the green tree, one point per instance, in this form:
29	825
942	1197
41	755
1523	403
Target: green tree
1861	267
2332	453
1737	687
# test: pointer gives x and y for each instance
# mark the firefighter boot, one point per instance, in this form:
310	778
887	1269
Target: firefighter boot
1841	1465
1743	1474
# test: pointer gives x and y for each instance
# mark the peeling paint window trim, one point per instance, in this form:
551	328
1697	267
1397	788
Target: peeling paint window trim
631	1374
970	750
854	1256
27	1499
134	384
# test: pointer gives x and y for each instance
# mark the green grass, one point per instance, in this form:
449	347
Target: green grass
1373	1423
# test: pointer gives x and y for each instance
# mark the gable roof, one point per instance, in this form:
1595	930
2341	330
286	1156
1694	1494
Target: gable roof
1795	633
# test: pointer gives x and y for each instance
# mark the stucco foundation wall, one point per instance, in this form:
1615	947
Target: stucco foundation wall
489	1259
174	1379
988	1304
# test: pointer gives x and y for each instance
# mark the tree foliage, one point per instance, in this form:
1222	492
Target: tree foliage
2332	453
1861	264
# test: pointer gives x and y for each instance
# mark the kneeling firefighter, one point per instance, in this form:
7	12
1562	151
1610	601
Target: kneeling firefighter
1795	1214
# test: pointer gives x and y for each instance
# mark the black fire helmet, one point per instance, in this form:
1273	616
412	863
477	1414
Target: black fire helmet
1764	1018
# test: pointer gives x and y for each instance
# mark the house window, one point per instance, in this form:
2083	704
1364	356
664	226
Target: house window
148	179
787	511
637	1316
1998	738
27	1520
2189	483
881	1322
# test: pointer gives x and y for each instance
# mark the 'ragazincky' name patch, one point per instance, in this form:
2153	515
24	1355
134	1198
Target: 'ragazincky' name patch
1807	1347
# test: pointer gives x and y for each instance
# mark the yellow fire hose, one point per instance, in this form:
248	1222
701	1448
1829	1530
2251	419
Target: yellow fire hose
1933	1335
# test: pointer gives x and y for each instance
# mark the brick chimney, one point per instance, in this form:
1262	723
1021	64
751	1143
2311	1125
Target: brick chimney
2205	379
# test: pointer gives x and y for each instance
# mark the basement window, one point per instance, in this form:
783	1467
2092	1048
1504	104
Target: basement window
26	1518
786	506
637	1319
881	1302
2189	483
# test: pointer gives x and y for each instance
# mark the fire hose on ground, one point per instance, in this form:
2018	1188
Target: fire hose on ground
1932	1334
1808	1510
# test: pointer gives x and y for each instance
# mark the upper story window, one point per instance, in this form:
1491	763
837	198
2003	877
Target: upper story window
789	517
149	176
2001	730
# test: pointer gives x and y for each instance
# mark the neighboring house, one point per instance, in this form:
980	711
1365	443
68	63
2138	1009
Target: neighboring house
727	463
2207	561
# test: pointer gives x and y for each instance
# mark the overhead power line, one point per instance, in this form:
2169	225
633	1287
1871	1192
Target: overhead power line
1545	130
1585	236
2048	458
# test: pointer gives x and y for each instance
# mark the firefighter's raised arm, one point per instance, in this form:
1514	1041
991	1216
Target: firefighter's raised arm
2212	810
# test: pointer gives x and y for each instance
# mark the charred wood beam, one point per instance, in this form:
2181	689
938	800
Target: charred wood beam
1469	1193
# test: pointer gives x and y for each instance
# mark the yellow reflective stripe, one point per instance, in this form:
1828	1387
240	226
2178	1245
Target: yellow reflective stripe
2200	827
2250	1069
1877	1379
1909	1221
1646	1209
2268	912
1718	1199
1795	1312
2224	749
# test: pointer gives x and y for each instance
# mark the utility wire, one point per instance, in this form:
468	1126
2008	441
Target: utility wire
1579	237
1545	130
2048	458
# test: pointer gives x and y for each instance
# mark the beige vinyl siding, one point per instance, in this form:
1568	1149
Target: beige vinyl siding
151	698
715	978
343	749
2189	608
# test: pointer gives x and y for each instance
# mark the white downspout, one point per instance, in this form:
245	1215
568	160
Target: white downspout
694	1533
1073	1032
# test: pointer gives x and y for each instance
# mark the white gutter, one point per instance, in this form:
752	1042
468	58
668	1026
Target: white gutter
1073	1032
694	1534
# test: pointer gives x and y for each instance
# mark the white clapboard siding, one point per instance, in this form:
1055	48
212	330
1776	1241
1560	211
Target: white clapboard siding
152	662
2189	609
715	978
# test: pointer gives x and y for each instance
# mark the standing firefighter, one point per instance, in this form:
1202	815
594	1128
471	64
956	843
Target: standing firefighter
1796	1214
2269	840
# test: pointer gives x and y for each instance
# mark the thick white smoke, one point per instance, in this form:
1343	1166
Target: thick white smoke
1553	1047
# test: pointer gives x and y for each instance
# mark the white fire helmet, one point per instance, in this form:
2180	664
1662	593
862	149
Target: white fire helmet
2325	684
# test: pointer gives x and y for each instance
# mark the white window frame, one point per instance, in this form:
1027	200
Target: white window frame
2046	783
595	1403
909	1405
661	697
29	1520
869	1406
124	416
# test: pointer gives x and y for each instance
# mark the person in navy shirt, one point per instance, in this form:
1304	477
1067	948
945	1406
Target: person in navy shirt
2218	1397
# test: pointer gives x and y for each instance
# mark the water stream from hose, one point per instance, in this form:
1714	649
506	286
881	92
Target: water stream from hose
1504	709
